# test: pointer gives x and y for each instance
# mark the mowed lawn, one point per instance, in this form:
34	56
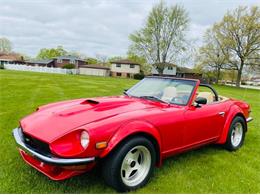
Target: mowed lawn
208	170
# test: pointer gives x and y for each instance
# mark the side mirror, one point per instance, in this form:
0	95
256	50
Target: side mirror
200	100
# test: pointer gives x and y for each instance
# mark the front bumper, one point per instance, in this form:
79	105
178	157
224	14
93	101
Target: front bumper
53	167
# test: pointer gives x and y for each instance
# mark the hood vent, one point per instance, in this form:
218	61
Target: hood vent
89	101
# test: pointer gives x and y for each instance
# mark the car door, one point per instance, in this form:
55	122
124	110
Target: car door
170	122
203	124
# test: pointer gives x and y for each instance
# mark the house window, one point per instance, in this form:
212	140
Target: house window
132	66
72	61
170	68
118	74
118	65
59	60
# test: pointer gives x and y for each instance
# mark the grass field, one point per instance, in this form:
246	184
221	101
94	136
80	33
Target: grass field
207	170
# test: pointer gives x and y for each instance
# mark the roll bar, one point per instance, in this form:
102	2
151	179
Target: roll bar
212	89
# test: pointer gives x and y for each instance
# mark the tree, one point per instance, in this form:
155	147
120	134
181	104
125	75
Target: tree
135	58
161	40
68	66
5	45
229	75
103	59
91	60
115	58
210	54
76	54
51	53
238	34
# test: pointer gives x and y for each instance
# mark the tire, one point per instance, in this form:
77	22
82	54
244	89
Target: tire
236	134
130	165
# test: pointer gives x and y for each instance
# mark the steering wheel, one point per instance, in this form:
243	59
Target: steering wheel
177	100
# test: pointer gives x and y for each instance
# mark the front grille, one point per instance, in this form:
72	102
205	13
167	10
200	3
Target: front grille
36	145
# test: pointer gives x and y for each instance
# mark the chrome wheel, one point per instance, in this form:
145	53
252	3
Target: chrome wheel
135	166
237	134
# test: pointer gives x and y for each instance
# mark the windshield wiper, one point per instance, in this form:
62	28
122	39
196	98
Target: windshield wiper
150	97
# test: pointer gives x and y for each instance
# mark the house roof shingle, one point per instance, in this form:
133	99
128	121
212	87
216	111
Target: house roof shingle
184	70
11	57
124	61
69	57
165	64
40	61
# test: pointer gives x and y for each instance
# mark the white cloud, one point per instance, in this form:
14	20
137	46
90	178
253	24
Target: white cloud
91	27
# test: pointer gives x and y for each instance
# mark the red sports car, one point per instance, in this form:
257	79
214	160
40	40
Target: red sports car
130	134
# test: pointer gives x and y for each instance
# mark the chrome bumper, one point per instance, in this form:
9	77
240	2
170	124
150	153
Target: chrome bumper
47	159
249	119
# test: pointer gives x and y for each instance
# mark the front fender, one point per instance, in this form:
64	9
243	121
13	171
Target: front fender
234	110
132	128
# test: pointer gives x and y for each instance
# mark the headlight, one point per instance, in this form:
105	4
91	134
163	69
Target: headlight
84	139
71	144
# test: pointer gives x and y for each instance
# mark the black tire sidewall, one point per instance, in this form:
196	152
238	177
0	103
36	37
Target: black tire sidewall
118	156
229	144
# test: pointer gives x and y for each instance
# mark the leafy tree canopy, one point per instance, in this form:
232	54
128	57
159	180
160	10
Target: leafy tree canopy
51	53
162	39
238	36
5	45
92	60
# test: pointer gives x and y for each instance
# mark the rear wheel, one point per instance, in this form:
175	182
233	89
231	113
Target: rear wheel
131	165
236	134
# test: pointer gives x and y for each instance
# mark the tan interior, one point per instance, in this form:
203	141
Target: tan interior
222	98
209	96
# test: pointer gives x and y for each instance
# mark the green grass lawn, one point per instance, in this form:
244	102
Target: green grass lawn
207	170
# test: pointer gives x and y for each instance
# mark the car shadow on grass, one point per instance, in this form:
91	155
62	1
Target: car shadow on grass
198	154
183	172
92	181
89	182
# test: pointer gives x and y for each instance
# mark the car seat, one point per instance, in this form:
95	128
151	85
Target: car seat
169	93
209	96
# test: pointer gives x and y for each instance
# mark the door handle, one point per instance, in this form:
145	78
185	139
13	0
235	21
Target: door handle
222	114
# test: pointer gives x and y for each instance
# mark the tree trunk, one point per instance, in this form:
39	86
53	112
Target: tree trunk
239	73
218	74
160	71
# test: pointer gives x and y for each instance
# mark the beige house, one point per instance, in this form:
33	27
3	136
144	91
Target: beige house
124	68
167	71
94	70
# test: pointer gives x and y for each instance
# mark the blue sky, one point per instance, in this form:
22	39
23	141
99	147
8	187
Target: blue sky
95	27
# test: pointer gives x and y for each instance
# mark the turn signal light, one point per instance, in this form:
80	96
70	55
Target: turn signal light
101	145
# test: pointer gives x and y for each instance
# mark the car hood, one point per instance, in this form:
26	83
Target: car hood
52	121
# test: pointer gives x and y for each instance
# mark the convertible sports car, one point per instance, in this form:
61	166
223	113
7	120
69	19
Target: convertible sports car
130	134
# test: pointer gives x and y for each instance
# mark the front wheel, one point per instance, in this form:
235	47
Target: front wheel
130	165
236	134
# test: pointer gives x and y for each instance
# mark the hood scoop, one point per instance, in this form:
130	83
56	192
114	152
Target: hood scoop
77	109
90	101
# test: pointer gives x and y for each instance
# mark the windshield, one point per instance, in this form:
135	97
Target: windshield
168	90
